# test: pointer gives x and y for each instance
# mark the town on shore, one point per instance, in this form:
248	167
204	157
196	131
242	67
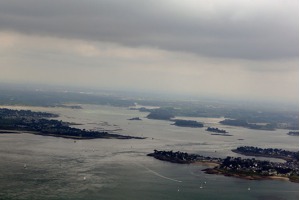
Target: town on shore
248	168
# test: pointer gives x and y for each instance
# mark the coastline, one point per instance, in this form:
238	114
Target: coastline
261	155
9	132
41	123
206	163
246	176
249	169
221	134
106	136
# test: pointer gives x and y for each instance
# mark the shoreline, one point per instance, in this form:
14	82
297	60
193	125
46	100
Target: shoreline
221	134
41	123
245	176
108	136
206	163
10	132
261	155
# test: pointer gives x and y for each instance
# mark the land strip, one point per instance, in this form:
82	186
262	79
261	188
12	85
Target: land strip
37	123
245	168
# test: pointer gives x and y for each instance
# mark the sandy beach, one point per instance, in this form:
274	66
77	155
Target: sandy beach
206	163
247	177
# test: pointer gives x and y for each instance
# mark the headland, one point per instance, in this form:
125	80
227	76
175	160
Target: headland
246	168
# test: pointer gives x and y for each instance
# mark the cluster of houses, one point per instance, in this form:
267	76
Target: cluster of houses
175	157
258	167
269	152
182	157
238	165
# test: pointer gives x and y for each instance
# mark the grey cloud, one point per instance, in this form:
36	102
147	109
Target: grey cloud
266	34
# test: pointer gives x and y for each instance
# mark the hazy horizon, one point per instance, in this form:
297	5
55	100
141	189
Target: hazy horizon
138	95
230	49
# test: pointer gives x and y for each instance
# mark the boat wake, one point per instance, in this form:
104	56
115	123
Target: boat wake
159	175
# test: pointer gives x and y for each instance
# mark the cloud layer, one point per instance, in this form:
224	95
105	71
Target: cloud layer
230	48
236	29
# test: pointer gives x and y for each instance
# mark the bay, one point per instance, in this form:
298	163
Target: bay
41	167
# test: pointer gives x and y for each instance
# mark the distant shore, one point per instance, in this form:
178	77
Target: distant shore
108	136
18	121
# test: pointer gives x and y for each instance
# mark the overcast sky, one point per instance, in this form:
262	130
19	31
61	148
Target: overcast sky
235	48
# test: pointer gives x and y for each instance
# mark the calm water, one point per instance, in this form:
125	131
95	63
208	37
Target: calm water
58	168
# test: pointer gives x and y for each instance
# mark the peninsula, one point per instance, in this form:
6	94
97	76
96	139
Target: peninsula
269	152
247	168
37	123
180	157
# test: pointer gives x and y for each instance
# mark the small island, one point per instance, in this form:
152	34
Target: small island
135	118
215	130
37	123
187	123
293	133
246	168
162	113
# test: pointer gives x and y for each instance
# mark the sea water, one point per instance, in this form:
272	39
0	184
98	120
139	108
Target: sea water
59	168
